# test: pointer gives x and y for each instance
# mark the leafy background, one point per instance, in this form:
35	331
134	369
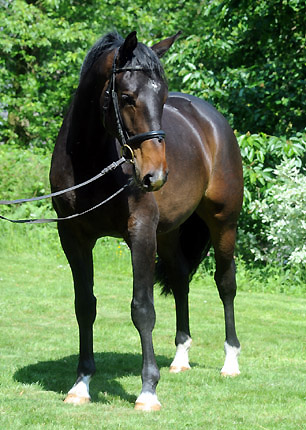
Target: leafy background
246	58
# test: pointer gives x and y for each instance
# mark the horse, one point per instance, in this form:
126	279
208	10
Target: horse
181	191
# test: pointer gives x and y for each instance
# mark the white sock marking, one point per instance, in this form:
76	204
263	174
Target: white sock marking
148	399
181	359
81	388
231	366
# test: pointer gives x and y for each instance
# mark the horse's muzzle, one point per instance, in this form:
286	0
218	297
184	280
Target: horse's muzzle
149	160
153	181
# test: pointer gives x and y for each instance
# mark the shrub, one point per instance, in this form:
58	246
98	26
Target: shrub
261	154
283	216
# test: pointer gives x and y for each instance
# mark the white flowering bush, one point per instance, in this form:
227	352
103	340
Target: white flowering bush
283	215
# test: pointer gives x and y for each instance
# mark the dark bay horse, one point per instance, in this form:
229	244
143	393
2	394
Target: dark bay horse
182	193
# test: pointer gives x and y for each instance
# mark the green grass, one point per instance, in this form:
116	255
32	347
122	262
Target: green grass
39	346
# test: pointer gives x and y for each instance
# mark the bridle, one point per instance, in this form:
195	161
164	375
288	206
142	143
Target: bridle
111	95
126	143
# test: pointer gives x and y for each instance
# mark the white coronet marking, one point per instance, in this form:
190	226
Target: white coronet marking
147	402
231	366
181	359
81	388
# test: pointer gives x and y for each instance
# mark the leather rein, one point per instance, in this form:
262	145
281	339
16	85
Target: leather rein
125	140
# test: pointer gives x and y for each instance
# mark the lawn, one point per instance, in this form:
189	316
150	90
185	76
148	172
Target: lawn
39	346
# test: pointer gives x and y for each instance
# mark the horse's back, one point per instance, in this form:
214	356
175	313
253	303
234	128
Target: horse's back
217	136
191	104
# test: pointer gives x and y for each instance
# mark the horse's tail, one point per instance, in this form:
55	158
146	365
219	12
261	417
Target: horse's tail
194	242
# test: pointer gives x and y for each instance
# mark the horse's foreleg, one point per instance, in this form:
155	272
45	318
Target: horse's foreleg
143	247
225	278
79	255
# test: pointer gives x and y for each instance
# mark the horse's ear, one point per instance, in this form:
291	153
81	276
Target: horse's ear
127	48
162	47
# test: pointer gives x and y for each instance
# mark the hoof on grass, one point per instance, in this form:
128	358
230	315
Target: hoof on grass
178	369
147	407
226	374
147	402
73	399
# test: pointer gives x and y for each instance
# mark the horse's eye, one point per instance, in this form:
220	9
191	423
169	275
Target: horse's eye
127	99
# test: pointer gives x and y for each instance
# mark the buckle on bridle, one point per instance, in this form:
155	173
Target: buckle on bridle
128	153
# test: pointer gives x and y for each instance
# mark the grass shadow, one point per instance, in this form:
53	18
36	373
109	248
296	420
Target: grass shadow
59	375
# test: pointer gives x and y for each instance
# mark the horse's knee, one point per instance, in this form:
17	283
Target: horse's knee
225	278
143	314
85	309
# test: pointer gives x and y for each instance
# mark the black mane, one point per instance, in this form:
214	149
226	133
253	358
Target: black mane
105	43
142	56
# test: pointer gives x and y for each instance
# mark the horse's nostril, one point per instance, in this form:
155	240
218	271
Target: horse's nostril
147	180
153	181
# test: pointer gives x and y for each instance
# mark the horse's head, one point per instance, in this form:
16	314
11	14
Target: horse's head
133	100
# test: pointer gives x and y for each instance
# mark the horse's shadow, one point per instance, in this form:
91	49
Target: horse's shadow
59	375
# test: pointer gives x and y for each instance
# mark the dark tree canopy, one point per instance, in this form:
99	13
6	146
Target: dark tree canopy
247	58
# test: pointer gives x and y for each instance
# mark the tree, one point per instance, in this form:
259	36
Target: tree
249	60
246	58
41	55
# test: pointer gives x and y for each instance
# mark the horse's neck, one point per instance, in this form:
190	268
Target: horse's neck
88	142
86	133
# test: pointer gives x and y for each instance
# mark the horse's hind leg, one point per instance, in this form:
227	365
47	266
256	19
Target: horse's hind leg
78	251
174	270
223	240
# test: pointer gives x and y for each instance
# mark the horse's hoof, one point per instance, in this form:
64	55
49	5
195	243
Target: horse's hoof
178	369
147	407
230	374
73	399
147	402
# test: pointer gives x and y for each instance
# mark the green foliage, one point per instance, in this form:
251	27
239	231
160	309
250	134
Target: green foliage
261	153
283	214
271	227
23	173
247	58
42	54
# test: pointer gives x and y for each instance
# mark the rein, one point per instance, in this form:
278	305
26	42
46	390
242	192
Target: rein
125	142
103	172
46	220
